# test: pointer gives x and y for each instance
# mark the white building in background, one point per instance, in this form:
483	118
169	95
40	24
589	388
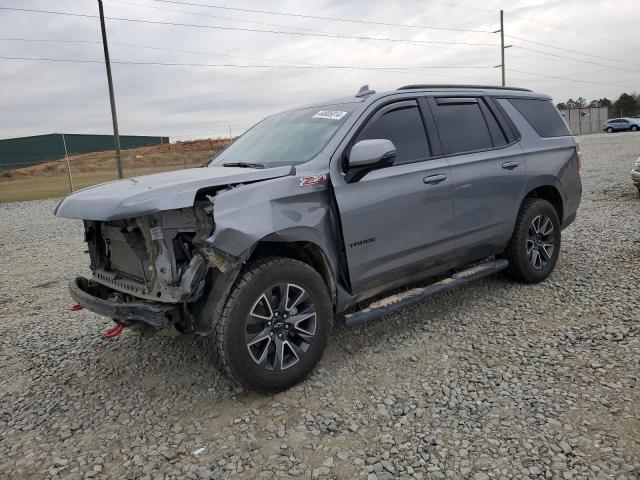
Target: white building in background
585	120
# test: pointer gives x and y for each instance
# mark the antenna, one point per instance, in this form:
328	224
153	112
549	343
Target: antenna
364	91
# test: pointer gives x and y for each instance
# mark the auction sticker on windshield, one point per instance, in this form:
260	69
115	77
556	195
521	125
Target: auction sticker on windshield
330	114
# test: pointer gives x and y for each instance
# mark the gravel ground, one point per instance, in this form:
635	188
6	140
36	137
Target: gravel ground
496	380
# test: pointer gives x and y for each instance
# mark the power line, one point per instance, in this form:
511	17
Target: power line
566	79
216	27
565	30
572	51
257	22
220	17
170	64
294	64
318	17
167	64
188	64
215	54
575	59
436	3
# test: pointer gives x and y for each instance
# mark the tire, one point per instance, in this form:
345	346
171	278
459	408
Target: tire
267	340
609	130
634	128
537	228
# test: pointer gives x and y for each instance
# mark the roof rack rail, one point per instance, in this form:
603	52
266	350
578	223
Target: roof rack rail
492	87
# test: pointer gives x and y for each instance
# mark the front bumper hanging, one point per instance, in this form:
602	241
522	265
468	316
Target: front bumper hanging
101	300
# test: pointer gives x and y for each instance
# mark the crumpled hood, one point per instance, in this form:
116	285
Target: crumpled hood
148	194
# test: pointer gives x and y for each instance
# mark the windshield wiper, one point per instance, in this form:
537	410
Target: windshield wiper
243	165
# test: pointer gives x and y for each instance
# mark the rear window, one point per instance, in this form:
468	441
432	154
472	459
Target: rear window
461	126
542	116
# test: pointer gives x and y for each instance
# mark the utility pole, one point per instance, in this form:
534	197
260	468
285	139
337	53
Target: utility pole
502	47
114	116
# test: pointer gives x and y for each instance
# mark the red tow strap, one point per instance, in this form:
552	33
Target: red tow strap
113	332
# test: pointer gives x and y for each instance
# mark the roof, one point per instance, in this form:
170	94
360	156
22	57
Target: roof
453	86
365	95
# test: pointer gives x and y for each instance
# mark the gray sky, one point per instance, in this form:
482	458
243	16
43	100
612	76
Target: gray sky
194	101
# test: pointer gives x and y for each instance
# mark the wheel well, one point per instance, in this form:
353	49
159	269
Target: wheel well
552	195
306	252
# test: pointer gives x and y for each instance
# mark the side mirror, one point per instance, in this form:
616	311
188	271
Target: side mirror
368	154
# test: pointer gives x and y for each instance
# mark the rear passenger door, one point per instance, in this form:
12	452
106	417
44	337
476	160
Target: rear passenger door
487	169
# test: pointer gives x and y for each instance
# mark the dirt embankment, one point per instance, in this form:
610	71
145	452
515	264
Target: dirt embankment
180	154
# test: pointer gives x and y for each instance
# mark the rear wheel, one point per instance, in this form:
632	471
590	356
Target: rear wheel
275	325
535	244
634	128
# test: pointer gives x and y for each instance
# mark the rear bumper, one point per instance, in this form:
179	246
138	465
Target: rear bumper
101	300
635	178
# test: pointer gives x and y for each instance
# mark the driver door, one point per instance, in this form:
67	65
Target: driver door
397	221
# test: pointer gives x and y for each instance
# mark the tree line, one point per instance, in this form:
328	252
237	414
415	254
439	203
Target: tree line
627	105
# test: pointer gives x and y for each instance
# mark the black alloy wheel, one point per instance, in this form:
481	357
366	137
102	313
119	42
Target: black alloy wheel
540	242
281	327
275	325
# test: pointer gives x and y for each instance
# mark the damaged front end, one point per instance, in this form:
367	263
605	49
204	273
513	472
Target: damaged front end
151	272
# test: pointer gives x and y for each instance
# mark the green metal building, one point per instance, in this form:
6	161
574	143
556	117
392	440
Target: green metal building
25	151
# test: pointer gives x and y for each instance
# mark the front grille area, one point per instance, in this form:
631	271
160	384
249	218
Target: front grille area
123	284
154	257
121	255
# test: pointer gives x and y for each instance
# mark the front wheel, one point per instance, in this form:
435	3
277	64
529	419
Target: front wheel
275	325
535	244
609	130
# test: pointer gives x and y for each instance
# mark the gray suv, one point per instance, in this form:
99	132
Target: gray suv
347	209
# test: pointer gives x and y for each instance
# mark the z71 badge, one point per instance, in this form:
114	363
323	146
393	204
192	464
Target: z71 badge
314	180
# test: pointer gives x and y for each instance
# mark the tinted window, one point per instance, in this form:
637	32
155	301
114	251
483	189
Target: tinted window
404	127
542	116
497	134
462	127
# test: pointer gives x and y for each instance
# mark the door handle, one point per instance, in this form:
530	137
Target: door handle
434	179
510	165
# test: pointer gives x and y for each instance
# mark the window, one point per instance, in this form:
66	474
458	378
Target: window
461	125
497	134
542	116
404	127
288	138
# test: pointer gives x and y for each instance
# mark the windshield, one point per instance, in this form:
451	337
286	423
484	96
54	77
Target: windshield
288	138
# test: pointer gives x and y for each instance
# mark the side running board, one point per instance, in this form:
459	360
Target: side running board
392	303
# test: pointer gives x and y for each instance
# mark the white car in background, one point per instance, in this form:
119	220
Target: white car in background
625	124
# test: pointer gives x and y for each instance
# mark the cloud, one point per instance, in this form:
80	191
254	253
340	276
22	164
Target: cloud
188	102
